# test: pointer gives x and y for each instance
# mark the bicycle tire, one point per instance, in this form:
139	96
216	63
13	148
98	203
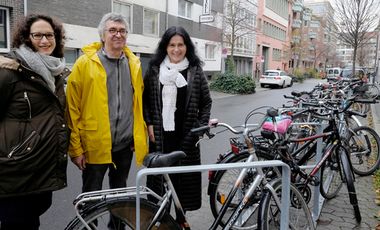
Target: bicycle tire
364	149
372	91
97	215
269	213
220	187
350	182
330	170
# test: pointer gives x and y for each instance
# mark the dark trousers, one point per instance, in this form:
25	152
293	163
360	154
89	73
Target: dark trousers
23	212
93	175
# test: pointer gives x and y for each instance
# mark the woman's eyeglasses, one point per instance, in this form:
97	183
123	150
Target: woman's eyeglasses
39	36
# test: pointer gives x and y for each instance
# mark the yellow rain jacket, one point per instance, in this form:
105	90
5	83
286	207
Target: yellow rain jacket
87	108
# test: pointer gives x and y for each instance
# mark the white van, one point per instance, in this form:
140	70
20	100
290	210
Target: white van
332	74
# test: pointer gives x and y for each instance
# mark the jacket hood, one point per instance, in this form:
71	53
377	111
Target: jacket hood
8	63
91	49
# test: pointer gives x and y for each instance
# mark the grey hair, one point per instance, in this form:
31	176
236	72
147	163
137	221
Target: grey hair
115	17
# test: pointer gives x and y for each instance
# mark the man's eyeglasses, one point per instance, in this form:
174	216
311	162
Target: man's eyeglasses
39	36
114	31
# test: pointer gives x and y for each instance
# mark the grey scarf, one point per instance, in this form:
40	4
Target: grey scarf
44	65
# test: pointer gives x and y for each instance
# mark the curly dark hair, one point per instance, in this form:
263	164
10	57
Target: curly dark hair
22	32
161	52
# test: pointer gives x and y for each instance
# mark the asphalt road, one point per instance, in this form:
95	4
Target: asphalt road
230	109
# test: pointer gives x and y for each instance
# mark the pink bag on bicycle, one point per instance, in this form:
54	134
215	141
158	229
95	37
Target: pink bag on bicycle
280	125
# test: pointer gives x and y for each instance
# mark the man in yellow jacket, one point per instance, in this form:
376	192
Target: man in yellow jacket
104	99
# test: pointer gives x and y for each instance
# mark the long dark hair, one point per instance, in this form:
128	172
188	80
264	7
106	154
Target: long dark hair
161	53
22	32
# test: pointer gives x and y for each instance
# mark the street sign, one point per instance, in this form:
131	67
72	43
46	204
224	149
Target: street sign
206	18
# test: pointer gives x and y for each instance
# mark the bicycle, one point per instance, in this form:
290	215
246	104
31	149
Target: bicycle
335	165
251	188
335	159
93	209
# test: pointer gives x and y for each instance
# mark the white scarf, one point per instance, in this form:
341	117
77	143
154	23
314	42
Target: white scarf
46	66
171	79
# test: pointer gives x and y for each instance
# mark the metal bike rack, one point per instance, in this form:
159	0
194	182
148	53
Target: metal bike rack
285	199
318	199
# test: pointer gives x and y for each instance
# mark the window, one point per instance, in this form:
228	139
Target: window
210	51
71	56
123	9
4	30
184	8
150	22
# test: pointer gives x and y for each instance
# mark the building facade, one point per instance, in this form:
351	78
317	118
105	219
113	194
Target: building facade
272	37
147	19
326	42
239	34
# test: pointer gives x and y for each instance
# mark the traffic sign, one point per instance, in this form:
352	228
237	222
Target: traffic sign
206	18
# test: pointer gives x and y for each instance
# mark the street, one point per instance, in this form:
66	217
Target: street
230	109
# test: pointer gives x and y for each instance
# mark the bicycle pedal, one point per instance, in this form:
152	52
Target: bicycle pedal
314	181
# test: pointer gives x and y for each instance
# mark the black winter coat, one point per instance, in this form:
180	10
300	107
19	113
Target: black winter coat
33	132
197	113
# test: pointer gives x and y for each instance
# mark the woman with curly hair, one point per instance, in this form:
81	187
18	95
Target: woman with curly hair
33	132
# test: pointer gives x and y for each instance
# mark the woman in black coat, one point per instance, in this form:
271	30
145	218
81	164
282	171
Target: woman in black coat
33	131
177	99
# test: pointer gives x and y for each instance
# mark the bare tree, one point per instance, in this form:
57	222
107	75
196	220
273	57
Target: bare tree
239	23
357	18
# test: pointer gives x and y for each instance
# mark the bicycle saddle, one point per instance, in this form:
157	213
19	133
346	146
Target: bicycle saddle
157	159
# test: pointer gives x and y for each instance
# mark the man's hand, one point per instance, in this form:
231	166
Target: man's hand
80	161
151	133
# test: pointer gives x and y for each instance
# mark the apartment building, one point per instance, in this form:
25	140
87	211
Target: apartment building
365	56
272	37
326	40
239	33
147	19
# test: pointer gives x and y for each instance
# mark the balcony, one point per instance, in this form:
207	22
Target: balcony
296	39
315	24
297	6
312	35
306	17
297	23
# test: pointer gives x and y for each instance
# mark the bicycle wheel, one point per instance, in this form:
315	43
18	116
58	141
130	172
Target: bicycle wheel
220	187
364	149
350	182
372	91
331	178
270	213
97	216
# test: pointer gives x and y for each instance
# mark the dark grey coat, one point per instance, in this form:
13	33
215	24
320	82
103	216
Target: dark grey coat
197	113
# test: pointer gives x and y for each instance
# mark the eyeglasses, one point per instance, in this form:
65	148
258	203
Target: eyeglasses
114	31
39	36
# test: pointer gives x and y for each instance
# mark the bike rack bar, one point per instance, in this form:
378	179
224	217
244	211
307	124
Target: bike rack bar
285	199
318	199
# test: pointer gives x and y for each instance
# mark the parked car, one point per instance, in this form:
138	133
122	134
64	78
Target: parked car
347	73
275	78
333	74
